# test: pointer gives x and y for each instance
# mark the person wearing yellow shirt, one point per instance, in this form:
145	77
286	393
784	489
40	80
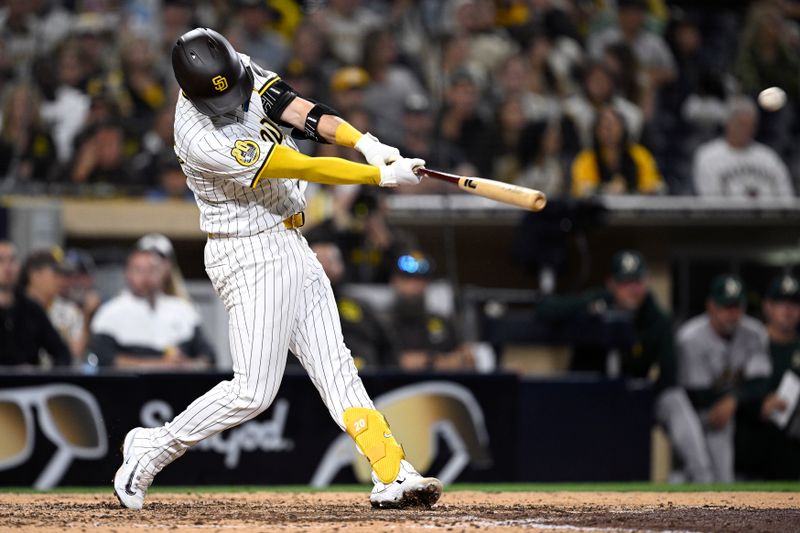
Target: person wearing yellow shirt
614	165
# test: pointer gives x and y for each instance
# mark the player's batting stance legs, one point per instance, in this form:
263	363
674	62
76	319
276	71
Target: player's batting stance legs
249	180
278	298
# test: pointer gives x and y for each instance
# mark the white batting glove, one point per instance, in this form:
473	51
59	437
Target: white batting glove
375	152
401	172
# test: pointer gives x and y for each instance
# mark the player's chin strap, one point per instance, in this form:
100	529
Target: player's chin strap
374	439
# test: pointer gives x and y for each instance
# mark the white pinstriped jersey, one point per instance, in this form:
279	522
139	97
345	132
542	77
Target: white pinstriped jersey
222	158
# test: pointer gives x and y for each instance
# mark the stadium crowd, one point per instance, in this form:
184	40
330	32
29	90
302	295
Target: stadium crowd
569	96
573	97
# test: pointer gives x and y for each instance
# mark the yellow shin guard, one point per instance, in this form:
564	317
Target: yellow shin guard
373	437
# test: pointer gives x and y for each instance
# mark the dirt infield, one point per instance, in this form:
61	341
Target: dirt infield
457	511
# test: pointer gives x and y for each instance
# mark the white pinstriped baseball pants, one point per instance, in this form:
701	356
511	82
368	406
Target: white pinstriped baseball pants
278	298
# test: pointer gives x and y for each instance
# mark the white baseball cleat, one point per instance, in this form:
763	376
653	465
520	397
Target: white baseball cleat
132	478
409	489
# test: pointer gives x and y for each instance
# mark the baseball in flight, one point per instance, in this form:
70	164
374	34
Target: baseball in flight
772	99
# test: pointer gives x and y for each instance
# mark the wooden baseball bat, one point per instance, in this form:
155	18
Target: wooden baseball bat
523	197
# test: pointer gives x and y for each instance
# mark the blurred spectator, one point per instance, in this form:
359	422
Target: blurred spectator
25	329
692	108
767	57
79	287
95	35
390	84
441	68
171	183
309	59
599	91
144	328
614	165
627	296
43	279
369	244
172	282
176	18
415	24
100	158
156	148
53	24
345	24
631	81
722	363
650	49
18	31
347	89
27	151
421	340
541	80
6	67
461	122
489	45
420	140
143	91
697	73
515	81
540	157
67	111
363	333
251	36
559	22
762	450
736	165
505	147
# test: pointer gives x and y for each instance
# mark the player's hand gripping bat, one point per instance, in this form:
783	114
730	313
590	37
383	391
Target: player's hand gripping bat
523	197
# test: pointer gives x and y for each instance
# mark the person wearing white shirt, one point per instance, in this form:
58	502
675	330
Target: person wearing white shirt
144	328
735	165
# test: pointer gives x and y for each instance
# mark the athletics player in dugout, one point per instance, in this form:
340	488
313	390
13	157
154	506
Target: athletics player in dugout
652	353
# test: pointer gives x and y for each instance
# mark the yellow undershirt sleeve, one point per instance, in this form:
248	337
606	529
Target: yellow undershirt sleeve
283	162
347	135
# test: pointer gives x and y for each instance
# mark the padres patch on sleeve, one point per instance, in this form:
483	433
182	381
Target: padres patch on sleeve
246	152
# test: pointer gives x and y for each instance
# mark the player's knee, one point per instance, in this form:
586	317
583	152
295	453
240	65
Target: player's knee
371	432
253	399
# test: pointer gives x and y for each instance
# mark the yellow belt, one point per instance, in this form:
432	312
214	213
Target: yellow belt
295	221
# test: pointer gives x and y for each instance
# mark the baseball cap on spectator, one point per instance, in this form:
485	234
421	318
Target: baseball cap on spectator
784	289
347	78
158	243
413	263
727	291
628	265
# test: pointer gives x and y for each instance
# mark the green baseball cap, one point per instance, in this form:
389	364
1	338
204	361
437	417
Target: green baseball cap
727	290
628	265
784	288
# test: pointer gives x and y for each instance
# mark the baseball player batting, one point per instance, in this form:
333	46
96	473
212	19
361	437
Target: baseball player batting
249	180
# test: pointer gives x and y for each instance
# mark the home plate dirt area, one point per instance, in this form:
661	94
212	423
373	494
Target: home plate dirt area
456	511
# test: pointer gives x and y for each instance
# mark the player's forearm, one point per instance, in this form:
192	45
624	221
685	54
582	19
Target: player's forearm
331	128
287	163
